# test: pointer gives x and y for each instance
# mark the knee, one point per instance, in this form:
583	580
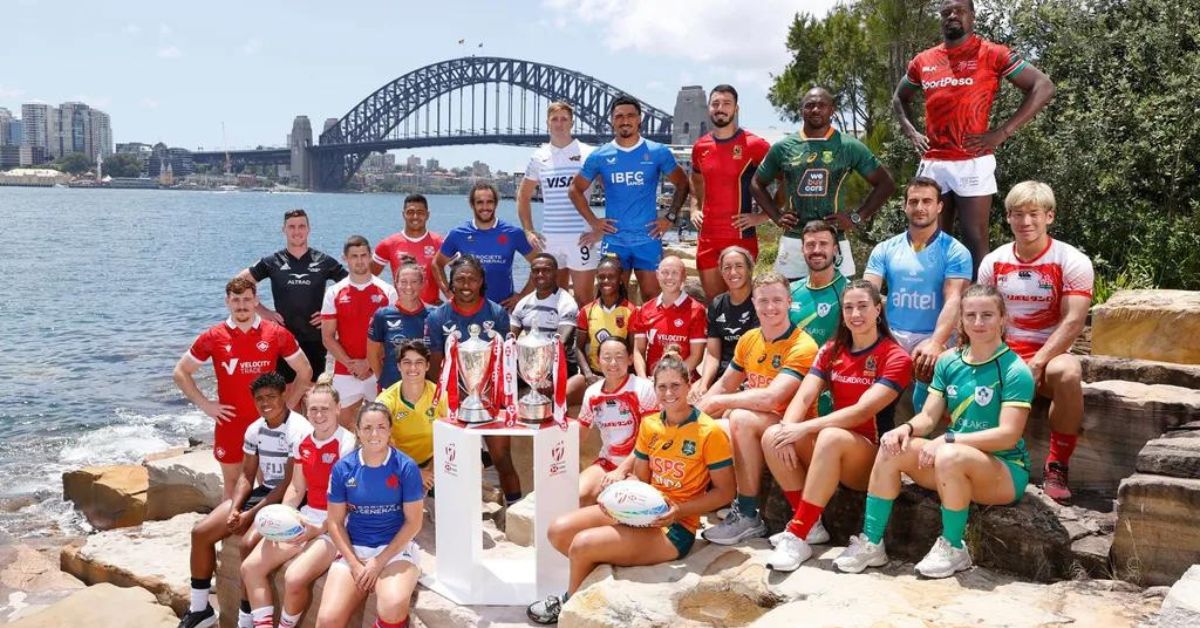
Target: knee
392	610
582	545
1066	372
250	570
768	437
745	425
324	620
293	583
950	458
559	532
832	440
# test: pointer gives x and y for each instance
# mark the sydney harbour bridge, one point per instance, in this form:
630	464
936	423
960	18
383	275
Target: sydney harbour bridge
472	100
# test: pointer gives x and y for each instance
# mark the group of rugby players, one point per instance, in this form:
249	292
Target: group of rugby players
798	369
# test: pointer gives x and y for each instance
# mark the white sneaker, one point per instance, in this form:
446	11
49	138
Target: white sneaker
944	560
789	553
818	535
861	554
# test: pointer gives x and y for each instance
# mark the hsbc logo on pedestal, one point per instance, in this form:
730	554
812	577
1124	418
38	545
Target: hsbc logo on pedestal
450	452
558	454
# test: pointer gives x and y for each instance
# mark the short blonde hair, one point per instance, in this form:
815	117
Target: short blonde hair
1030	193
771	277
560	105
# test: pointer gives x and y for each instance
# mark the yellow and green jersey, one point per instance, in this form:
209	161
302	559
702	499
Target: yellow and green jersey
412	423
975	393
816	310
681	456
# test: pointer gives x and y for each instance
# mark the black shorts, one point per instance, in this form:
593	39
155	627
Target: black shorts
315	352
259	493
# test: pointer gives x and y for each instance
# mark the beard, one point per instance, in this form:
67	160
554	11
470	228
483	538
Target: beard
953	31
721	123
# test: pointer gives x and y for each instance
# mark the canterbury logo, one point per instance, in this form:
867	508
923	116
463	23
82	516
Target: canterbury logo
230	366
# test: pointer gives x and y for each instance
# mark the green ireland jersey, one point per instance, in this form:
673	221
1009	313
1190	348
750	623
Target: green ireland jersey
814	172
975	393
816	310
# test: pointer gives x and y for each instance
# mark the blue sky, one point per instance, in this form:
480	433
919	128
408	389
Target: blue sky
174	71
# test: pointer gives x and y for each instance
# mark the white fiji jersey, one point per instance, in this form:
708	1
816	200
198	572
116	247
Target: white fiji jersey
554	169
273	446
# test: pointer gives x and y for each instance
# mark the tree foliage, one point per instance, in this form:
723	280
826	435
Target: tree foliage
123	165
74	163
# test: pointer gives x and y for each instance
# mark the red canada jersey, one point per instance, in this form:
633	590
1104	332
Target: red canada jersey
849	374
960	84
239	357
679	323
1033	290
316	458
727	167
391	250
352	306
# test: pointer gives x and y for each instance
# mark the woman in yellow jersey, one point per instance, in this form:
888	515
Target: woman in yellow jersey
411	402
606	317
681	452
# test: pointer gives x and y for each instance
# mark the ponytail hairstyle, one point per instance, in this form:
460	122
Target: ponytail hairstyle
325	386
980	290
842	337
670	361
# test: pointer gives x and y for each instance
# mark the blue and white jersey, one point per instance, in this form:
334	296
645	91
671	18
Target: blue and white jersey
273	445
915	278
392	327
447	318
375	496
554	169
630	177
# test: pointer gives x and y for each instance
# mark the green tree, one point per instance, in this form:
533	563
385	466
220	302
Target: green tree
123	165
74	163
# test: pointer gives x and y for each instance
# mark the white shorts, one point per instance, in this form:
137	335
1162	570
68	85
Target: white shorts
352	390
312	515
565	248
790	263
970	177
364	553
909	339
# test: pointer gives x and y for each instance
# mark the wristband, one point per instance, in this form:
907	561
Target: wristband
911	429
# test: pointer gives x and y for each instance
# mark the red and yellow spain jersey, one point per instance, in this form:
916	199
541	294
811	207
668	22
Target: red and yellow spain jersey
763	360
681	456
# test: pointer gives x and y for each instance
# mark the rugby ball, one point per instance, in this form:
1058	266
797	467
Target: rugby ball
279	522
633	503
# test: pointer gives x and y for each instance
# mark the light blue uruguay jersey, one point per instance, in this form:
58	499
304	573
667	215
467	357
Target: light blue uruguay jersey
630	178
915	278
554	169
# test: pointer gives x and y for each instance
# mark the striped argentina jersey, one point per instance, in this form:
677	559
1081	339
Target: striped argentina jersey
554	169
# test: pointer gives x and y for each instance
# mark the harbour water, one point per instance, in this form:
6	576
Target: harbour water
104	290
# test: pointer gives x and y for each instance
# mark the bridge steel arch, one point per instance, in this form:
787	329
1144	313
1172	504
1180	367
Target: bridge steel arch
342	148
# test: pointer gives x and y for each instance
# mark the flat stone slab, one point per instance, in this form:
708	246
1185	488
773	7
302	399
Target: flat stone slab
103	606
186	483
1176	455
1148	325
30	580
112	496
1097	368
1157	536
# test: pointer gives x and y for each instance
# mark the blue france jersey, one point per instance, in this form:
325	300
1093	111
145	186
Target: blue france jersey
630	177
375	496
915	278
495	249
446	319
392	327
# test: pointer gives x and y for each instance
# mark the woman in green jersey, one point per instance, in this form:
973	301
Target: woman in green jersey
986	389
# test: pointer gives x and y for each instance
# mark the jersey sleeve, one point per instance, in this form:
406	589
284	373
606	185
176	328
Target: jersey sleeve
865	162
337	483
376	331
823	363
913	74
568	310
636	325
585	408
641	448
286	342
261	269
1006	62
740	351
877	262
938	384
435	333
714	328
696	162
1078	275
328	307
581	320
698	330
382	252
250	440
336	272
896	371
1018	385
591	166
647	398
390	397
201	349
411	487
717	453
500	315
958	261
450	246
442	409
987	271
390	291
347	443
758	148
800	357
666	160
769	168
521	241
533	170
515	319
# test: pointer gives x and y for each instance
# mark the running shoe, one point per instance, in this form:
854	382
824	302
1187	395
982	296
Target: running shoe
199	619
789	553
1054	482
735	529
818	535
545	611
861	554
944	560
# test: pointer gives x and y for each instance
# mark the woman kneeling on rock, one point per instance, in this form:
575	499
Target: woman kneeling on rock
865	370
381	489
681	452
987	390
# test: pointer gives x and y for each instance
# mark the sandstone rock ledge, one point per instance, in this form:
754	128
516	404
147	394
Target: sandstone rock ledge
730	586
103	606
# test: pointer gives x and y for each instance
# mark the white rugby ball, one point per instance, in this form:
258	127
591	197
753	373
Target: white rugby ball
279	522
633	503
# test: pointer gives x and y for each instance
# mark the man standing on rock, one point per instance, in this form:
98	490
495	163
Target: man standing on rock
960	78
416	242
1047	289
242	348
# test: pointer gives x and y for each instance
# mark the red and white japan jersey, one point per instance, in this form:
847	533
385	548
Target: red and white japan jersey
393	248
316	459
1033	290
618	414
239	357
352	306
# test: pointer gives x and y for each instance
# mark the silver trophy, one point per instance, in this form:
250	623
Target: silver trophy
535	361
474	354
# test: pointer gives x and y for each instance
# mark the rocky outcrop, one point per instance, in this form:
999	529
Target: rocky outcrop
31	580
1176	454
109	496
1148	325
1157	538
153	556
1181	608
103	606
730	586
187	483
519	521
1097	368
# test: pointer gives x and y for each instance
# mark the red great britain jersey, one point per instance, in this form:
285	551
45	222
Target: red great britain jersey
240	357
849	374
960	84
352	306
618	414
1033	290
727	167
316	459
393	248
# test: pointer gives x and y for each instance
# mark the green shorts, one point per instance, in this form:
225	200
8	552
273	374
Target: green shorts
680	537
1020	478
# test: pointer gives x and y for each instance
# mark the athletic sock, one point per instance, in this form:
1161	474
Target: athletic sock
263	617
200	587
512	498
879	510
288	620
379	623
954	525
747	505
807	516
1061	447
793	499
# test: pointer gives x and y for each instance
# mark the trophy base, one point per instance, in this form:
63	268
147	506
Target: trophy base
474	413
534	411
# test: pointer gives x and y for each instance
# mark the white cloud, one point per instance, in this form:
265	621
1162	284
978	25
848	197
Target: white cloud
169	52
252	46
7	93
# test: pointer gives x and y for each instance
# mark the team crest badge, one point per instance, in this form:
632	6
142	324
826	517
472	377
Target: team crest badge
679	322
737	152
811	157
869	366
983	395
263	345
823	309
775	362
502	239
827	156
620	321
689	448
429	251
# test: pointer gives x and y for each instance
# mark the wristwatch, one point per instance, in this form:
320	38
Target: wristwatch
949	437
672	217
856	218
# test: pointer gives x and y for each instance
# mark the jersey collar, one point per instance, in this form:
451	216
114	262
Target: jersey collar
1049	243
732	138
624	383
421	237
828	134
254	324
692	418
400	308
1001	350
836	276
937	233
791	328
462	312
337	434
386	459
640	142
678	302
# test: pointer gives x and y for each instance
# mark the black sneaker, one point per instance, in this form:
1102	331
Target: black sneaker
199	619
545	611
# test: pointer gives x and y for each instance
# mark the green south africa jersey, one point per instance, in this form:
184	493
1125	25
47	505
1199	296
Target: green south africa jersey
975	393
814	172
816	310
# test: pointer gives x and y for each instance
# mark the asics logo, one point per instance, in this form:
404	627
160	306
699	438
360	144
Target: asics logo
948	81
